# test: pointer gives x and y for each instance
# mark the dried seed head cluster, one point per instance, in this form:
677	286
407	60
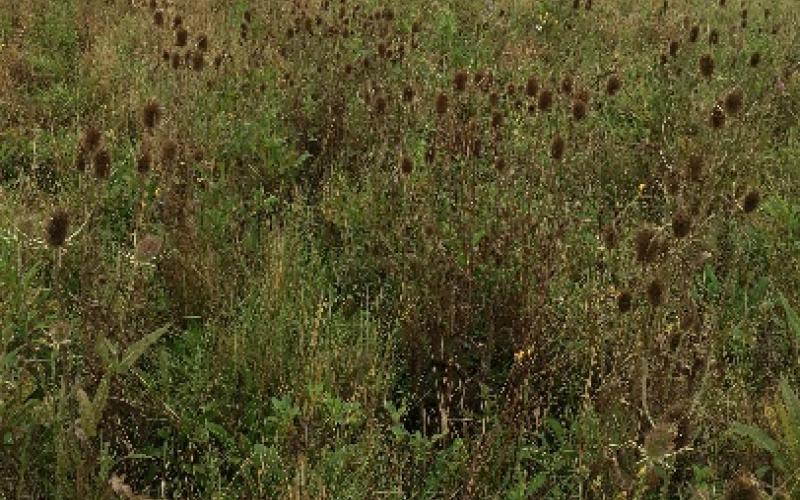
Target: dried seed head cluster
57	227
151	114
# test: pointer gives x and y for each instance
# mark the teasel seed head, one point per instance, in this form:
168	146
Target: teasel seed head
751	201
713	37
567	84
441	103
694	168
717	118
624	301
57	227
532	86
578	109
181	37
460	80
613	85
151	114
706	64
734	101
681	223
755	59
91	139
545	100
557	148
694	33
102	164
158	18
406	165
649	245
144	162
655	292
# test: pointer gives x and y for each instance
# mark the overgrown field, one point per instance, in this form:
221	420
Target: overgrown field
335	249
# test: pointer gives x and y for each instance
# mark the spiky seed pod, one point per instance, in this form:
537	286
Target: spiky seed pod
379	105
751	201
91	139
181	37
494	99
148	247
165	56
673	48
177	22
613	85
649	245
158	18
545	101
567	84
198	61
557	148
742	487
144	162
169	152
408	94
717	118
511	89
655	292
460	80
578	109
102	164
176	60
497	119
151	114
734	101
694	168
624	301
582	95
694	33
659	441
681	223
406	165
248	16
57	227
202	43
532	86
755	59
441	103
713	37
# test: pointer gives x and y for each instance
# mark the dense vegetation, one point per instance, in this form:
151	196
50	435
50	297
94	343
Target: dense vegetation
421	249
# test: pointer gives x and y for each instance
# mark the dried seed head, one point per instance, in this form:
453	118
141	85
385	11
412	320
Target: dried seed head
176	60
734	101
151	114
406	165
181	37
649	245
755	59
655	292
608	234
460	80
557	148
706	64
694	168
659	441
751	201
532	86
681	223
144	162
158	18
441	103
202	43
57	226
673	48
379	105
717	118
578	109
177	22
624	301
102	164
545	100
153	5
567	84
494	99
694	33
248	16
497	119
742	487
613	84
198	61
408	94
713	37
91	139
148	247
169	151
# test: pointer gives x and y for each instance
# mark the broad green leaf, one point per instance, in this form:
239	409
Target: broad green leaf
762	440
135	350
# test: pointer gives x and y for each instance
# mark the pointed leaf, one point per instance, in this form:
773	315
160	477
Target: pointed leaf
792	318
763	441
86	412
135	350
